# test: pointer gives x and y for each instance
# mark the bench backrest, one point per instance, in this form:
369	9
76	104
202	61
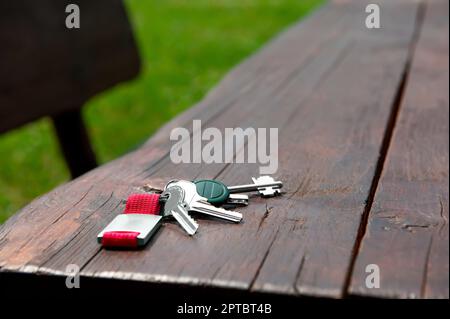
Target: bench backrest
48	69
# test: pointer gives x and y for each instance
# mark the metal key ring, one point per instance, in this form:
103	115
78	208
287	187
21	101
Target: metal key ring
171	182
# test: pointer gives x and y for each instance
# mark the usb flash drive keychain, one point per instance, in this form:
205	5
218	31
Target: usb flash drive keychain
139	221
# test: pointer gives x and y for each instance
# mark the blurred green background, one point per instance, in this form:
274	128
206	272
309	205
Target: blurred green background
186	46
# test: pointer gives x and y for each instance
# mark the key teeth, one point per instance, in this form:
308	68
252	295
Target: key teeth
191	220
193	223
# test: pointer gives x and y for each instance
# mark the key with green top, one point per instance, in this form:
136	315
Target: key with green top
218	193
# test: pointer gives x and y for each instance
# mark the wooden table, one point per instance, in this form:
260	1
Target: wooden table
363	118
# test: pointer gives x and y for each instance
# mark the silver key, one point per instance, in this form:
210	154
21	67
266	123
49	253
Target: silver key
199	204
175	205
237	200
265	185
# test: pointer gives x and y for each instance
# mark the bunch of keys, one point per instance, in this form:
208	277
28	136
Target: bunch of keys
178	199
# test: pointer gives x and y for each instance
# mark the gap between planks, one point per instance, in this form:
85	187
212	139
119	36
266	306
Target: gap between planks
387	139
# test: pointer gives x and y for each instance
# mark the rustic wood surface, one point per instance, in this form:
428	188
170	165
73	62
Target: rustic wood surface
334	89
407	234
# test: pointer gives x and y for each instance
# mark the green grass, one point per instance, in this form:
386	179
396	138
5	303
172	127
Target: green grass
186	46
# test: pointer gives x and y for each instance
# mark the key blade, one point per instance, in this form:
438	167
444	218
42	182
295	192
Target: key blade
265	189
254	187
187	222
237	199
208	209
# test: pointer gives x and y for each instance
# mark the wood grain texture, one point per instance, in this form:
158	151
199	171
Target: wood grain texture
329	91
46	69
407	235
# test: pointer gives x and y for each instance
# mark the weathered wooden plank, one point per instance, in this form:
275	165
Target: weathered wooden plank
331	99
311	252
350	134
407	235
76	200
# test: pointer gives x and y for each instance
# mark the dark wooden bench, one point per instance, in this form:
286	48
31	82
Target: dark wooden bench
363	118
49	70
